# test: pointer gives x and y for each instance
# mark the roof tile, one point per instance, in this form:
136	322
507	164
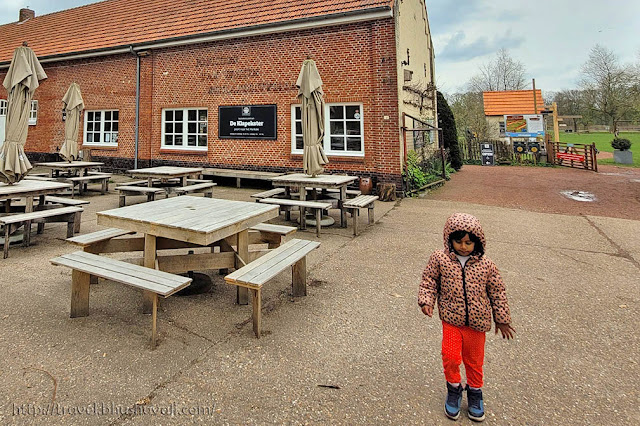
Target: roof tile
512	102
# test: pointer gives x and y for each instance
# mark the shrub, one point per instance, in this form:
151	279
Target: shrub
447	123
621	144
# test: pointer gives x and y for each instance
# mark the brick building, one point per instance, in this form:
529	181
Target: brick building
154	75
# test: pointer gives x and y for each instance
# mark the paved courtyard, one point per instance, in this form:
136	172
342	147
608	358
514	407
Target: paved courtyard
356	350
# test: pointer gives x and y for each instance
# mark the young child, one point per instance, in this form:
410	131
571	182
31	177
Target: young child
468	288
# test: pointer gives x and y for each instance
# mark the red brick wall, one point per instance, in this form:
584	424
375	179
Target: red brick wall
356	62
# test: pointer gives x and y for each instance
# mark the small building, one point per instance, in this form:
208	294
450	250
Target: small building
509	102
158	78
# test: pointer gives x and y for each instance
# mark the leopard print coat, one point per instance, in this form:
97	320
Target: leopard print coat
466	296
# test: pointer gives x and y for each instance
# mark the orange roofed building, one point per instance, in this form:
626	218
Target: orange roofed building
192	64
509	102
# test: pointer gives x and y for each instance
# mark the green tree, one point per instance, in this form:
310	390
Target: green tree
447	123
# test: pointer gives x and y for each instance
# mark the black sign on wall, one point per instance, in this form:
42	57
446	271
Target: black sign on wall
247	122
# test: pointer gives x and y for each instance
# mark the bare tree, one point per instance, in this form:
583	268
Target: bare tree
607	86
468	110
501	73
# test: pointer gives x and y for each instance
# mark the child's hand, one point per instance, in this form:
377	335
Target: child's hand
506	330
427	310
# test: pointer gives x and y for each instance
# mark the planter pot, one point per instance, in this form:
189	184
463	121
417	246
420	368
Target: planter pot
366	185
623	157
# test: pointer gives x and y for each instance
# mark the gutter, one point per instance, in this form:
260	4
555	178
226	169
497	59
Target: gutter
137	127
265	29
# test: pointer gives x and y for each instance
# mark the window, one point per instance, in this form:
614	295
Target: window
185	129
3	107
101	128
343	125
33	113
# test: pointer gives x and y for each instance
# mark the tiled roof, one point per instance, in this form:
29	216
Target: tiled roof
511	102
114	23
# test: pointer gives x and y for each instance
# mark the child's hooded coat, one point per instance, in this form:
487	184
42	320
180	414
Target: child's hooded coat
466	296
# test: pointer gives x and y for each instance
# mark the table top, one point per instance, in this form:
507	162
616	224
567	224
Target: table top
198	220
165	171
26	188
70	165
321	180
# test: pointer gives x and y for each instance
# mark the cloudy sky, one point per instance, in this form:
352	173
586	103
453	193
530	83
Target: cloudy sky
551	38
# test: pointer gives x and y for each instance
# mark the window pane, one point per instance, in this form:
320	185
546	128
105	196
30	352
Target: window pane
168	127
114	126
96	137
202	140
168	140
178	139
336	112
178	115
337	128
107	115
178	128
191	140
191	128
107	137
191	114
354	144
89	137
115	115
352	110
203	128
89	126
337	143
168	115
114	137
96	126
298	113
202	115
299	142
107	126
353	127
298	127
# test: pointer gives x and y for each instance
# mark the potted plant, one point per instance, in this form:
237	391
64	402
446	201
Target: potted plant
621	153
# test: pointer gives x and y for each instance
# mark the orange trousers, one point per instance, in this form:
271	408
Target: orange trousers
462	344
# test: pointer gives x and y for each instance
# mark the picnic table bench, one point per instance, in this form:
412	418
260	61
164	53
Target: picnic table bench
65	202
318	207
355	204
13	222
83	181
84	265
130	190
254	275
204	188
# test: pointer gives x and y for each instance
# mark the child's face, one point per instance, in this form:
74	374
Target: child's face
464	246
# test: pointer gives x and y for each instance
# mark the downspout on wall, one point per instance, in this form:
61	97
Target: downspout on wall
137	127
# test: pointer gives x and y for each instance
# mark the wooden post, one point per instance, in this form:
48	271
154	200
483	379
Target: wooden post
242	246
27	225
556	127
299	278
79	294
343	213
149	262
595	158
257	311
154	317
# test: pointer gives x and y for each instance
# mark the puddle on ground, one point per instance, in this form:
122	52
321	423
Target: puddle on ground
579	195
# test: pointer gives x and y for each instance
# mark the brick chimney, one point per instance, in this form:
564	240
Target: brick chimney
26	14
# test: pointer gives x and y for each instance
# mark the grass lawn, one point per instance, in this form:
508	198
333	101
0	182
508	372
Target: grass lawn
603	143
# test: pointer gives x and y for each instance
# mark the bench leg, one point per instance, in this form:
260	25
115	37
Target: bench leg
40	228
105	186
150	258
76	222
299	278
154	317
6	240
209	194
318	218
303	218
237	182
371	219
257	312
27	224
121	203
71	225
79	294
355	214
242	295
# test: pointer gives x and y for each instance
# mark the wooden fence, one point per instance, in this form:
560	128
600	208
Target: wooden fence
574	155
503	152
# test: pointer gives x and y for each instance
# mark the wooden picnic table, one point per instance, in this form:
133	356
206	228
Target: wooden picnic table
29	189
188	221
303	181
73	166
164	173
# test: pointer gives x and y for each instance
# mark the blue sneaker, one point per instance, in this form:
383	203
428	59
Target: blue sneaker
476	404
453	402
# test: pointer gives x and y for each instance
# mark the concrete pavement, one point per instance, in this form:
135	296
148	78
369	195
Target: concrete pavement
356	350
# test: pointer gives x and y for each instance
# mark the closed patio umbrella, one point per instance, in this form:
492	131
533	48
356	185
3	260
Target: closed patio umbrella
311	96
21	81
73	105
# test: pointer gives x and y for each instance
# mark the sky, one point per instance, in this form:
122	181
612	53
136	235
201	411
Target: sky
551	38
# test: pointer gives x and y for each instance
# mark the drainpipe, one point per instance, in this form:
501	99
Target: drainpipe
137	128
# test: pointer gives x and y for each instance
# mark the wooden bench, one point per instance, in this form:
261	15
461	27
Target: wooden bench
240	174
255	274
270	234
318	207
355	204
85	264
82	181
332	191
64	202
36	177
129	190
269	194
204	188
13	222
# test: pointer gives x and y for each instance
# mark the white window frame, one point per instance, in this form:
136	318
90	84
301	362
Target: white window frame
102	131
3	107
33	113
327	135
185	129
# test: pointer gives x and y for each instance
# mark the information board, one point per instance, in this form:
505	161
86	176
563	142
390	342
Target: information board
523	126
247	122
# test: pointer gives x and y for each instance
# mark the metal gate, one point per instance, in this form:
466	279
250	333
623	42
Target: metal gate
574	155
